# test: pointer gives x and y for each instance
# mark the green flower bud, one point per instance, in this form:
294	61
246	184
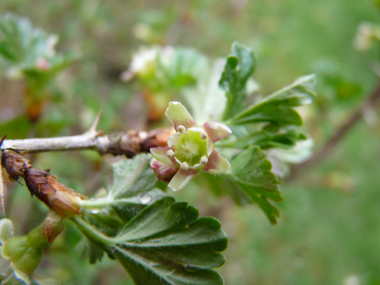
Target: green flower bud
6	230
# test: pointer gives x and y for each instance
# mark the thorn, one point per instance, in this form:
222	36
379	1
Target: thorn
99	133
2	140
96	122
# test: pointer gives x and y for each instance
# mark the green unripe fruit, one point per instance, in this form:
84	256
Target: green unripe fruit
37	239
24	257
15	247
29	261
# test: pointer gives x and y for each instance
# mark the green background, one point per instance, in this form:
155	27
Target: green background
329	228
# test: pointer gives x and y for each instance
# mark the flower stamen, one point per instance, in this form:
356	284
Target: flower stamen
181	129
184	166
203	160
170	153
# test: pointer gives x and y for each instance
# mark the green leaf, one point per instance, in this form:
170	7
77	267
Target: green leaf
206	99
131	193
251	172
173	69
166	243
239	67
277	108
37	79
126	209
31	52
269	137
90	251
186	66
376	3
132	176
172	246
21	43
17	128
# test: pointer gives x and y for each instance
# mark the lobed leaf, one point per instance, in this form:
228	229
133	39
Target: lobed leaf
206	99
239	67
172	246
132	176
251	172
166	243
31	51
126	209
277	108
185	67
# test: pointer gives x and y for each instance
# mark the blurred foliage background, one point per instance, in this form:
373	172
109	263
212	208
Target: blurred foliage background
329	227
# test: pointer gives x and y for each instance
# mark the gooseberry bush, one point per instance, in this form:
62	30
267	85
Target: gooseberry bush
221	128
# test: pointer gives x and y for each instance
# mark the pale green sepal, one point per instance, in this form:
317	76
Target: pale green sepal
160	153
181	179
178	115
217	164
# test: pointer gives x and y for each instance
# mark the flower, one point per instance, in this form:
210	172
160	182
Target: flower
189	150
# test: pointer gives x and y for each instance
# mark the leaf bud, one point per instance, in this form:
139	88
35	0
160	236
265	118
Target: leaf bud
65	201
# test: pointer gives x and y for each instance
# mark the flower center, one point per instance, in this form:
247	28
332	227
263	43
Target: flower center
190	147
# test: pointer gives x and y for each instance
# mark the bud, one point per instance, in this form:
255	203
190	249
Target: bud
6	230
65	201
14	164
42	64
134	142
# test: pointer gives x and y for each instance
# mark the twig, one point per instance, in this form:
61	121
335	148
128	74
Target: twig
1	179
339	134
127	143
88	140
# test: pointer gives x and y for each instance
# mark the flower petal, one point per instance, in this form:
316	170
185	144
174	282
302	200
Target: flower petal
163	171
178	115
216	131
210	146
181	179
217	163
173	139
160	153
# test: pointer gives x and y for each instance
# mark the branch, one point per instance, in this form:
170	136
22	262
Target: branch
88	140
124	143
339	134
